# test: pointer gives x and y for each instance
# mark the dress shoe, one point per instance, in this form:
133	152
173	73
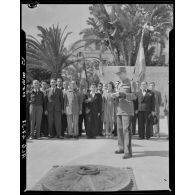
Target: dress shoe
119	152
30	138
127	156
60	137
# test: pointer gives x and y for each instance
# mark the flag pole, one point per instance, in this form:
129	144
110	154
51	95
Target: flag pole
140	46
85	72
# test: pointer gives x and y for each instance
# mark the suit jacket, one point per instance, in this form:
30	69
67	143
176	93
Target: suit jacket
94	105
158	101
145	103
72	102
54	101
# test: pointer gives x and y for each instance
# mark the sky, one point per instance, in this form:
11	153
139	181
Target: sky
75	16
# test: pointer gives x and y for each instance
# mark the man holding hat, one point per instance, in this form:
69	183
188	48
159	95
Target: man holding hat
125	109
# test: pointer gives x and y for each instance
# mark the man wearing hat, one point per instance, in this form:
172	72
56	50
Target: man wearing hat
125	109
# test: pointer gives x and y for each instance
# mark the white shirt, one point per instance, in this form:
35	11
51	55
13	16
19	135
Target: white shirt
93	94
53	89
143	92
36	90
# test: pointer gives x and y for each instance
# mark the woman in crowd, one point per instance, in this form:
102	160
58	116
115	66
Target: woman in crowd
93	102
44	122
109	110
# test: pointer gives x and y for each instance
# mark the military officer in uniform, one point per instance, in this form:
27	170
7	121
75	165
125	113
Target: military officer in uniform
125	109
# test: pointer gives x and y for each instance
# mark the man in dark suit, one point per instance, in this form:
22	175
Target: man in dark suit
82	115
145	106
60	86
44	122
155	130
100	119
64	117
135	117
59	83
54	107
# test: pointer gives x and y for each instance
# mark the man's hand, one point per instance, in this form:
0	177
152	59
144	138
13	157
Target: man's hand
98	114
80	112
136	112
115	95
46	112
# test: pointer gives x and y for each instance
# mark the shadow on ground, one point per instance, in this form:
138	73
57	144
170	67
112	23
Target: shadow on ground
160	153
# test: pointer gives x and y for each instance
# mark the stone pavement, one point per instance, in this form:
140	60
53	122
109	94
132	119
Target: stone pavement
150	160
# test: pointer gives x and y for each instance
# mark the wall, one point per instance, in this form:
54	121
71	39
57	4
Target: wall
159	75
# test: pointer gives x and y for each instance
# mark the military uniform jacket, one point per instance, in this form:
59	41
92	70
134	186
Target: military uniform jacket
124	103
145	103
35	98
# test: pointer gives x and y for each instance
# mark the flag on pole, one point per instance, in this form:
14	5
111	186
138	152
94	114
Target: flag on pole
140	65
83	76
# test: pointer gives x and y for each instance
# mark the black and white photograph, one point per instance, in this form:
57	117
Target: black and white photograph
96	97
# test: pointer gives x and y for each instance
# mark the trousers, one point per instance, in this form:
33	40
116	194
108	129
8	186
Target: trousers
156	128
82	118
44	125
54	118
35	119
143	124
72	121
64	124
124	134
134	119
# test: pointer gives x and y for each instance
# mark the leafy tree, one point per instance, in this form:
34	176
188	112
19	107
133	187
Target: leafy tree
50	52
39	74
121	29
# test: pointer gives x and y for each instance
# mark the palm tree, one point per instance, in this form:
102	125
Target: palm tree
114	30
50	52
161	20
121	29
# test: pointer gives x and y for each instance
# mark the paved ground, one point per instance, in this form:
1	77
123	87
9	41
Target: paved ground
150	160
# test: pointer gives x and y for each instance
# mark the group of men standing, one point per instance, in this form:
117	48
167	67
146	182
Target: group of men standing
64	107
61	108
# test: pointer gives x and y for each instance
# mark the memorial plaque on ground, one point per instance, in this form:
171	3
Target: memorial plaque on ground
87	178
